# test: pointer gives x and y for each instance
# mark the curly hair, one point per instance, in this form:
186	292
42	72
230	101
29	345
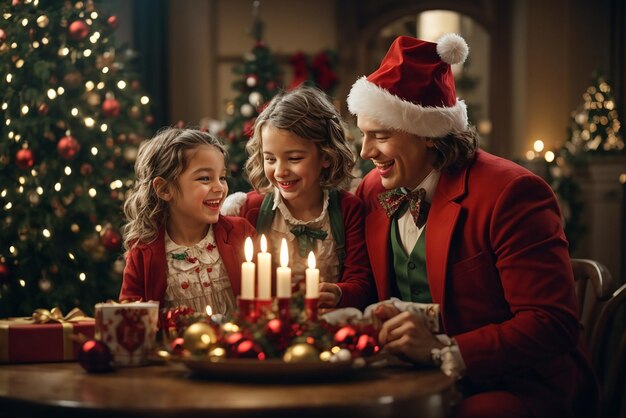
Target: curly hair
306	112
454	150
165	156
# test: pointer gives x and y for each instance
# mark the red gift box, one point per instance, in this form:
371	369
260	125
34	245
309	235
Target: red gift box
25	340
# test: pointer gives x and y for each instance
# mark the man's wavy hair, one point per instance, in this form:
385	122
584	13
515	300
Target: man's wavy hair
165	156
455	150
306	112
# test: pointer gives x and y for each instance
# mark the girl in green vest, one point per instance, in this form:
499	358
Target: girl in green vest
299	157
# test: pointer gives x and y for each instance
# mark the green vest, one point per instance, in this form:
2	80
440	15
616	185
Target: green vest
410	270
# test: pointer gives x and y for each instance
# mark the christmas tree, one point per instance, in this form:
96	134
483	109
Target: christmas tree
73	116
594	128
259	81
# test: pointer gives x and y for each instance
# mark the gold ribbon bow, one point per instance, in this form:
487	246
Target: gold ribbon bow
43	316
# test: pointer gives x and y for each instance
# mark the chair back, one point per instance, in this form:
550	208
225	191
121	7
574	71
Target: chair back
608	355
594	286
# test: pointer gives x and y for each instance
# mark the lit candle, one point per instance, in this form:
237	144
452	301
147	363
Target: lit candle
312	279
247	272
283	273
265	272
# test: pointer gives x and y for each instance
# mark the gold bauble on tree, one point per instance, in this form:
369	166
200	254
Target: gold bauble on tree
301	353
199	337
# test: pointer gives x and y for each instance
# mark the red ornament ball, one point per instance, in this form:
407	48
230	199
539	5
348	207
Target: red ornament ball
346	337
112	21
95	356
111	239
86	169
43	109
3	35
149	120
68	147
278	332
178	346
78	30
5	274
111	108
24	159
248	349
366	345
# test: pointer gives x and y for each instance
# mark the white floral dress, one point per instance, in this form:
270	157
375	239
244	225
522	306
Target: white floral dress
325	250
197	277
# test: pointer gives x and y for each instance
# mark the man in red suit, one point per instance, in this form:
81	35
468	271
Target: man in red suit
490	250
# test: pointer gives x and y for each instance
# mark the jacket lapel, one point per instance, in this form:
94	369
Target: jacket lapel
378	225
228	252
442	219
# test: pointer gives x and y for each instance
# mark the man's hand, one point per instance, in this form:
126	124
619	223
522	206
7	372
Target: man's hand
330	294
405	335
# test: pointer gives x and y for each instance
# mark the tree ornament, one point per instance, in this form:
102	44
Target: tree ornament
112	21
198	338
3	36
301	353
5	273
73	79
177	346
130	154
45	285
42	21
247	110
95	356
78	30
134	112
149	120
271	85
33	198
86	169
43	109
68	147
24	159
111	239
255	98
111	108
251	80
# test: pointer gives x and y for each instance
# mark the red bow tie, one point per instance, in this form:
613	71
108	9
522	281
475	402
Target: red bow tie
391	201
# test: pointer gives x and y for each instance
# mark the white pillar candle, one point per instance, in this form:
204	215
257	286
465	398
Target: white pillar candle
283	273
264	260
247	272
312	279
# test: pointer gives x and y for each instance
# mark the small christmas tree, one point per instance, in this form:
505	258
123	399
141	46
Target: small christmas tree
594	128
73	116
259	81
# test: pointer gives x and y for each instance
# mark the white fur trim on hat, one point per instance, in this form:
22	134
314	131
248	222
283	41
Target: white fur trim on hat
232	204
369	100
452	48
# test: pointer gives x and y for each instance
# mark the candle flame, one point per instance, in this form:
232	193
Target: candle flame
248	249
263	243
284	254
311	260
209	310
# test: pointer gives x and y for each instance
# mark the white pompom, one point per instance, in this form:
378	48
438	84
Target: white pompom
233	204
452	48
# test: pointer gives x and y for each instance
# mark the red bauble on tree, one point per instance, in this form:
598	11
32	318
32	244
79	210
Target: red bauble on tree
112	21
111	239
24	159
111	108
5	274
78	30
68	147
3	36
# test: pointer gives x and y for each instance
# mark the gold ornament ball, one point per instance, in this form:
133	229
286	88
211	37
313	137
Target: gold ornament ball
42	21
301	353
198	337
130	154
93	99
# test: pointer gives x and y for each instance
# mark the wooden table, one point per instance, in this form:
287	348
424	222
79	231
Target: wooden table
64	389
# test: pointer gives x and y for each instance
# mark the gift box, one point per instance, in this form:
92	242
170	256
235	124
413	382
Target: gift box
43	337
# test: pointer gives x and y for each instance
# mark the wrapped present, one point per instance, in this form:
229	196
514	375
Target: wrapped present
47	336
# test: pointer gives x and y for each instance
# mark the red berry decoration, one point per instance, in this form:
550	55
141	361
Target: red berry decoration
346	337
24	159
95	357
78	30
111	239
111	108
68	147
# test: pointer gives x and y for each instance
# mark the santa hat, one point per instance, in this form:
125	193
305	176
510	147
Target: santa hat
413	89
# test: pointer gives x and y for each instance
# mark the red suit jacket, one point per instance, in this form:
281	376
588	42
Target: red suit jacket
497	263
356	281
145	274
